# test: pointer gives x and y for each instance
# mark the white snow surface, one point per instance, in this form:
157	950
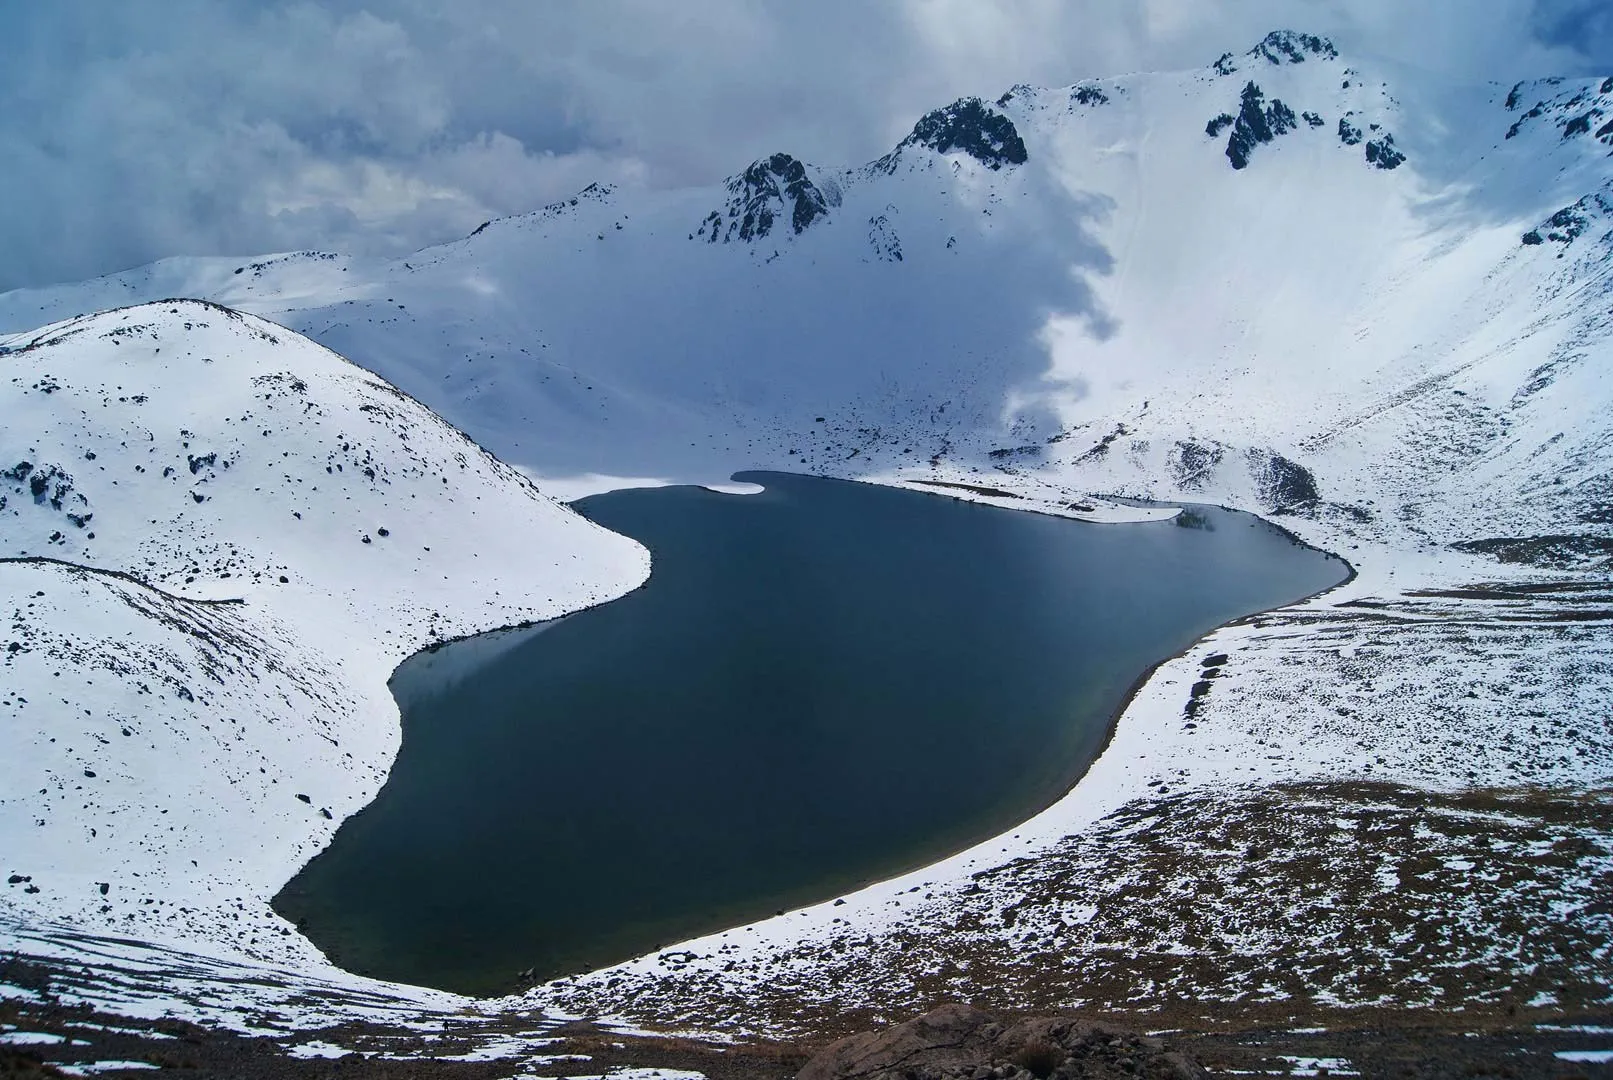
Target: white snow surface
1122	314
237	536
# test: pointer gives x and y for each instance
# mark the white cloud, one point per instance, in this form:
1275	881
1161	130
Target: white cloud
157	127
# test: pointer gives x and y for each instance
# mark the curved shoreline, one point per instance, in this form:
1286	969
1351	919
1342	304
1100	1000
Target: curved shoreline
1109	728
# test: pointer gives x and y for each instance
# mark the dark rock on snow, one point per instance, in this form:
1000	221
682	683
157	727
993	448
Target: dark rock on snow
1281	484
957	1042
1381	153
971	126
1256	123
772	189
1288	47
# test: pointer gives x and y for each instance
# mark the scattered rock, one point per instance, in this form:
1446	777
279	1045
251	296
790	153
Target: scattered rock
958	1042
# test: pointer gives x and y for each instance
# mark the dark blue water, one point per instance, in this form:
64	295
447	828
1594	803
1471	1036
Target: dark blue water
820	686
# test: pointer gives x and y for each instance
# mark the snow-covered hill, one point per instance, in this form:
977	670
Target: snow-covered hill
217	540
1291	281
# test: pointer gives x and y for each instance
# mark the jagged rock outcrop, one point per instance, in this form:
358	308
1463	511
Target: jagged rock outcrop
1256	123
1381	153
882	237
969	126
1281	47
1583	110
772	190
1572	222
1289	47
49	487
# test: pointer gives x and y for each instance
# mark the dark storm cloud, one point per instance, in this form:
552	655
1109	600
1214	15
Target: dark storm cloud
147	128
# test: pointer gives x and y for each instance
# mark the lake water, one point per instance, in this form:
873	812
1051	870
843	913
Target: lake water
820	686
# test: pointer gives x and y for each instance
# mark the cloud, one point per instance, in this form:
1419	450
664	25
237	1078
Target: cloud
156	127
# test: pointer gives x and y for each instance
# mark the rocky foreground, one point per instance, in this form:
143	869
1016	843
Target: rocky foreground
43	1033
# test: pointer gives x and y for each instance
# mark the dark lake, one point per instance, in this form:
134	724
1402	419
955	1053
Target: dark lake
820	686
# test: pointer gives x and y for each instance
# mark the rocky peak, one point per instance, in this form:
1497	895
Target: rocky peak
772	190
1281	47
969	126
1289	47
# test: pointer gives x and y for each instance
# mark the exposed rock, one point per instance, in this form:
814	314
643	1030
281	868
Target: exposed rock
957	1042
1281	484
1580	124
882	237
1574	112
1571	222
1281	47
1517	125
1089	95
1558	552
969	126
1288	47
1192	464
46	485
1256	123
772	189
1349	134
1382	154
1017	90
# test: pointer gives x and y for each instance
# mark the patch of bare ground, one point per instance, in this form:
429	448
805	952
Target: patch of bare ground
1298	905
954	1042
50	1036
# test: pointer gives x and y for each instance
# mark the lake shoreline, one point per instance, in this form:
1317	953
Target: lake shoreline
1098	727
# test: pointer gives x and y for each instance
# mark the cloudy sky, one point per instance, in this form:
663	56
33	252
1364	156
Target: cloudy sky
139	129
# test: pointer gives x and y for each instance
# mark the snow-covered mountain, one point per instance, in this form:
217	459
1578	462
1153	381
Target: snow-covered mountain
1291	280
1159	282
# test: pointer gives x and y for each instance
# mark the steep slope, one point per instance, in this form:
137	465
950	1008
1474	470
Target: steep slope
217	540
